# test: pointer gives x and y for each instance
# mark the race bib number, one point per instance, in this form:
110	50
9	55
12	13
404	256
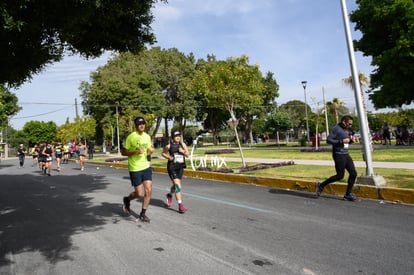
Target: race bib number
49	158
178	158
346	145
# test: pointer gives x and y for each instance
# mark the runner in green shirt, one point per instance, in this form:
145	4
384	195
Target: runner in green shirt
138	147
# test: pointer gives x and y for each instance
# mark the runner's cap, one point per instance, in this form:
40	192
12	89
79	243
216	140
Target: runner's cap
139	120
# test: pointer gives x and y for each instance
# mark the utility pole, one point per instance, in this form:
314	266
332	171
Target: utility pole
306	113
117	129
76	108
326	112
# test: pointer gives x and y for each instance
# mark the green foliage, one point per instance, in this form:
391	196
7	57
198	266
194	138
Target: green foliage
37	33
338	108
174	72
230	84
233	85
39	131
268	95
259	125
278	122
216	119
296	111
394	119
125	84
8	103
82	128
374	122
152	83
388	37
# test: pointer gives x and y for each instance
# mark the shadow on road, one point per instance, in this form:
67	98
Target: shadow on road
39	213
293	193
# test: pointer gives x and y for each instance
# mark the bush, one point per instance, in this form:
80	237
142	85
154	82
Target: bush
302	141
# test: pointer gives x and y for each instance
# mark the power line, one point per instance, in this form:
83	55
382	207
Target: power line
45	103
51	112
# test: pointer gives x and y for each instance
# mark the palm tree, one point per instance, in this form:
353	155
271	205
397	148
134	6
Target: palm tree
363	83
335	105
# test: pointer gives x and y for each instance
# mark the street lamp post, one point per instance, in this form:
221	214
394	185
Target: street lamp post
306	112
117	129
369	178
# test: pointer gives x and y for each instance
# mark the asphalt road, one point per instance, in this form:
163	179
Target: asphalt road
72	223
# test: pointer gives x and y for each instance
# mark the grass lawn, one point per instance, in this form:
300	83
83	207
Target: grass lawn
401	178
392	154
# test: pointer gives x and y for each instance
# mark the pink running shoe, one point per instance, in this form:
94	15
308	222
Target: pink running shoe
169	199
181	209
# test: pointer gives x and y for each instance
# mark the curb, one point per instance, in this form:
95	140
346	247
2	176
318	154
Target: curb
394	195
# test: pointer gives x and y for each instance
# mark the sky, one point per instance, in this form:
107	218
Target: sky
296	40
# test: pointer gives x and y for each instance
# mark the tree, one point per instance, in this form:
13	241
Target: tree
34	34
216	120
174	72
387	36
374	122
296	111
363	83
338	108
8	103
232	84
278	122
268	96
153	82
39	131
8	107
81	129
127	85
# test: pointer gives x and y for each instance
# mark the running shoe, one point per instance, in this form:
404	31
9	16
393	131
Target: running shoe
126	205
349	197
144	218
318	189
169	199
181	209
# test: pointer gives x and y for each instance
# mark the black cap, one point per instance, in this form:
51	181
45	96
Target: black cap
139	120
176	133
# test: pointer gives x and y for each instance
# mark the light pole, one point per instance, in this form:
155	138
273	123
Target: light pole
369	178
306	112
117	128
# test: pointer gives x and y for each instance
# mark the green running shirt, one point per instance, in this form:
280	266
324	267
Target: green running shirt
134	142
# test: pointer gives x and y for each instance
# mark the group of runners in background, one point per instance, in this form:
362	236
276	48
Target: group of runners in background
43	155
